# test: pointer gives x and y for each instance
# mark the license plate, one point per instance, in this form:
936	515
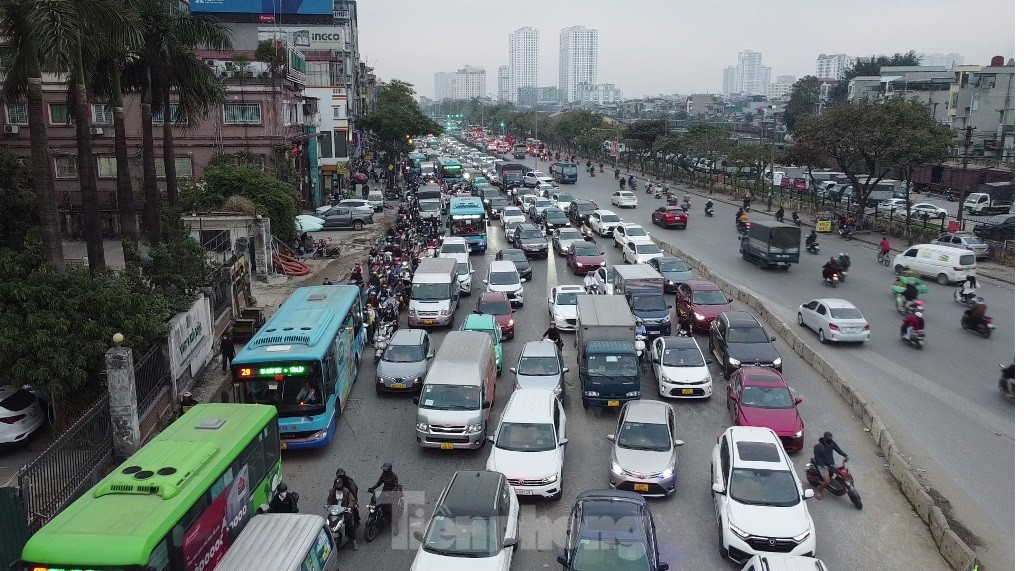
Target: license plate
399	386
447	446
428	322
613	403
687	391
284	446
640	487
525	492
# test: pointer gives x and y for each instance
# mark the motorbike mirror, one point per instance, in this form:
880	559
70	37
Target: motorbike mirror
808	493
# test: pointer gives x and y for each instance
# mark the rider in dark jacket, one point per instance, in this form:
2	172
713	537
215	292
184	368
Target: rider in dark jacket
825	462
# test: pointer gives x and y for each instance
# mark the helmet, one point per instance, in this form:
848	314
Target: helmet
338	485
918	313
386	467
340	473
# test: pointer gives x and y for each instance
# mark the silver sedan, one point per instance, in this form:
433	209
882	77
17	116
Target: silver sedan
643	458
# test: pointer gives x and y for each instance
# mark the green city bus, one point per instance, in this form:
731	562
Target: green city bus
176	504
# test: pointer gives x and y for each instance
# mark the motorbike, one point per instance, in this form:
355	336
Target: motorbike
846	232
640	345
964	298
672	200
796	218
649	189
336	516
592	289
832	280
841	484
742	227
1006	384
632	185
709	211
844	265
381	339
915	338
904	307
983	327
377	518
812	248
657	194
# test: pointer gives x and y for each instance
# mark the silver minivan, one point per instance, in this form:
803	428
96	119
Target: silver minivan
458	393
540	366
435	293
282	542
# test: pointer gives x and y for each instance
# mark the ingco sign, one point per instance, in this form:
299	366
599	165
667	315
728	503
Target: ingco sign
306	37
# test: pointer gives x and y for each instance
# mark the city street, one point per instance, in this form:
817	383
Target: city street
377	429
942	403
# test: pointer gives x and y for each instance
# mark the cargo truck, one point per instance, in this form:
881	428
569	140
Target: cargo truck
771	244
991	198
608	365
643	288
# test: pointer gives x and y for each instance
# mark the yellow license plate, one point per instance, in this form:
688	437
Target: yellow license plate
613	403
402	386
685	391
640	487
447	446
428	322
284	446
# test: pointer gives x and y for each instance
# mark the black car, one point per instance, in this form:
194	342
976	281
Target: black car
530	240
611	529
553	218
736	339
496	205
580	211
517	257
997	228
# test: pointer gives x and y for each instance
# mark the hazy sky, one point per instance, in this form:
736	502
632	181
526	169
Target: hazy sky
651	47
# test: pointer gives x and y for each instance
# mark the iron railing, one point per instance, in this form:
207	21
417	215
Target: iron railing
152	376
220	295
62	472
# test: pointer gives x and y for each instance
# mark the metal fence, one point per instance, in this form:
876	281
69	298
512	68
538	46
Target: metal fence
220	294
152	375
68	467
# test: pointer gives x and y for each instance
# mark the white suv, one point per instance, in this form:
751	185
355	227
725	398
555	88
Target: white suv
629	231
453	245
503	277
602	222
759	501
529	443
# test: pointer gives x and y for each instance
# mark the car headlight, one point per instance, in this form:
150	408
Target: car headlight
739	532
421	426
321	434
511	322
474	427
633	394
798	434
603	264
801	537
579	264
777	362
617	470
670	282
706	379
699	316
550	479
667	472
734	362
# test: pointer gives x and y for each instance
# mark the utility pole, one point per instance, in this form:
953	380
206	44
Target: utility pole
963	177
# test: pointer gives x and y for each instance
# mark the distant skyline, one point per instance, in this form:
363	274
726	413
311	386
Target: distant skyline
673	47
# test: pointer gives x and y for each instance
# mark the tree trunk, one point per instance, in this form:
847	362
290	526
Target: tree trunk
87	174
170	172
42	175
125	195
150	191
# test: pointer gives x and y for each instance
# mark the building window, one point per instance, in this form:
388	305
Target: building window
340	144
242	114
158	118
59	114
17	114
337	112
182	168
106	167
102	114
325	145
65	166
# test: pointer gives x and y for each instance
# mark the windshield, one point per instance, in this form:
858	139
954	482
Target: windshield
530	233
634	231
538	366
555	215
709	297
525	437
513	255
644	436
404	353
462	536
619	555
682	357
498	202
542	203
647	248
746	335
565	198
496	307
764	487
612	365
585	208
462	268
430	292
767	397
587	250
504	278
566	297
627	195
375	196
610	218
429	205
649	303
468	228
567	169
846	313
513	212
453	248
451	397
673	266
301	390
566	235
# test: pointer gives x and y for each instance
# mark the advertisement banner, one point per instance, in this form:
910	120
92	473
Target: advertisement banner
208	539
190	341
322	7
306	37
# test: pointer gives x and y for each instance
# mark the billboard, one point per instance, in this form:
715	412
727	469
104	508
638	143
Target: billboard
269	7
306	37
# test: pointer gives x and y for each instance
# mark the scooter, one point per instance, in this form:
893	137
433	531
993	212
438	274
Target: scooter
649	189
640	345
812	248
915	338
336	522
967	298
658	194
1006	384
846	232
709	211
841	483
377	518
743	227
984	327
904	307
832	280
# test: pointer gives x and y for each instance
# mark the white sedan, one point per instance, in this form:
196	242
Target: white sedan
624	199
640	251
629	231
680	368
834	320
562	305
921	209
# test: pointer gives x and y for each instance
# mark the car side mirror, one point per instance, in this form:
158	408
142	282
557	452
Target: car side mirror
486	282
512	370
773	338
476	311
487	404
563	442
418	535
720	489
509	542
679	443
490	438
565	369
611	437
561	560
513	310
798	400
729	299
670	307
808	493
522	280
662	566
416	400
472	271
734	398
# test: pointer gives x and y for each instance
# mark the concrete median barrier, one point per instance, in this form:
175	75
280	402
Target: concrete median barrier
951	546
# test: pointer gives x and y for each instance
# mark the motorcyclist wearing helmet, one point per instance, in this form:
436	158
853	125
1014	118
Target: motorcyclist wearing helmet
708	206
388	480
640	329
342	496
811	239
976	314
824	461
830	268
914	321
553	334
283	501
590	282
341	477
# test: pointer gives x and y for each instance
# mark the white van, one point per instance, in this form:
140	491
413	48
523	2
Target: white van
282	542
777	562
529	443
435	293
943	263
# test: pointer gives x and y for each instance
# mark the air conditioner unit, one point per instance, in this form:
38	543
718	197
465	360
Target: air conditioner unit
96	130
11	129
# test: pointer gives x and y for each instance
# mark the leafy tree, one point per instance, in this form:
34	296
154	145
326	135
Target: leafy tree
750	155
176	268
643	134
395	118
273	197
870	66
707	141
803	100
16	200
871	141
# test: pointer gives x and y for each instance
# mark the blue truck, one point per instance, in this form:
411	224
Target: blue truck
605	354
771	244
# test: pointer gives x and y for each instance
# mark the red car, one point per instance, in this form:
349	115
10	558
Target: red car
670	217
583	257
698	303
496	303
760	397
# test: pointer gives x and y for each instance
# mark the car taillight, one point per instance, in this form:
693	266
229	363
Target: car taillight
833	327
867	327
957	269
12	419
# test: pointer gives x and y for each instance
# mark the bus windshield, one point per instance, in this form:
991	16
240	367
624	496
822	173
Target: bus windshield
291	387
476	227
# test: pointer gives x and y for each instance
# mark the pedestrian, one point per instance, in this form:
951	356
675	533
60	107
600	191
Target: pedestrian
187	401
227	351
